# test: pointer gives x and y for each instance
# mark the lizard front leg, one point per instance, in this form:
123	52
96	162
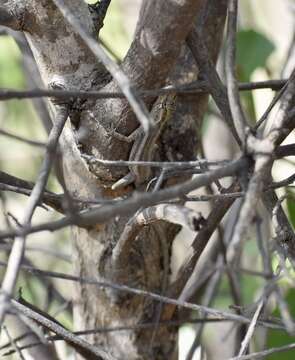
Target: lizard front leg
143	146
136	138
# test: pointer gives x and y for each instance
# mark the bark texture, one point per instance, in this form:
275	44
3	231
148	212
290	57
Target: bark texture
157	55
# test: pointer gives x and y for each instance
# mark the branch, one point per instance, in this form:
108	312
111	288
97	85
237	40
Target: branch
250	331
122	80
283	230
190	88
171	213
159	37
262	151
102	330
230	65
13	343
129	206
264	353
207	69
220	208
285	150
11	15
180	165
271	106
218	314
16	254
33	78
22	139
50	199
81	346
161	31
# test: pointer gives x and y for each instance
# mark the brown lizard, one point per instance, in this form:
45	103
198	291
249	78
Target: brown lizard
144	144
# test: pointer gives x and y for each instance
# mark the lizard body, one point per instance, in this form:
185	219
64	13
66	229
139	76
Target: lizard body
144	144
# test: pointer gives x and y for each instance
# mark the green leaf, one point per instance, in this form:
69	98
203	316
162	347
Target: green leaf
253	49
277	338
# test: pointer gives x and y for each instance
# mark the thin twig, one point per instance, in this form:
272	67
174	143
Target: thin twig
271	106
18	247
51	252
285	150
265	353
145	326
49	199
262	151
191	88
14	344
101	214
55	201
82	346
193	198
289	180
108	284
22	139
157	164
207	68
209	295
230	65
16	339
251	329
221	206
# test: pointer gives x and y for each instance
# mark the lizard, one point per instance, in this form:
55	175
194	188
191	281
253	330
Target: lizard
144	144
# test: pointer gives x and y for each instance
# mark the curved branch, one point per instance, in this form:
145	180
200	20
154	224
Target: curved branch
115	70
174	214
161	31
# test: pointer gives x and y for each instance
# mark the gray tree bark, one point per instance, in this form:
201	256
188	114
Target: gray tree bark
158	54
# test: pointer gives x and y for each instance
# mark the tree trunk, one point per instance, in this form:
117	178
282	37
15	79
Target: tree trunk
157	55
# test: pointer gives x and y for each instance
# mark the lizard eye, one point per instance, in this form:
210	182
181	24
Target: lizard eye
161	106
